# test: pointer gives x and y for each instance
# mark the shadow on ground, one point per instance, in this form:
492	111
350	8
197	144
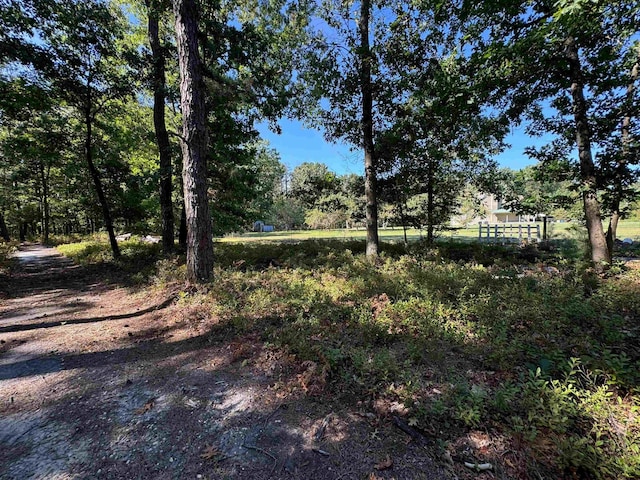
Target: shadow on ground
95	397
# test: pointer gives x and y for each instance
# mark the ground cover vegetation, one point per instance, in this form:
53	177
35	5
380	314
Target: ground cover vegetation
524	347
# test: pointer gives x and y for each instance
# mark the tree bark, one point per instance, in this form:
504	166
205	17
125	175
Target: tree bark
162	137
4	231
600	255
430	203
403	220
97	182
194	144
613	227
182	234
45	202
624	158
370	174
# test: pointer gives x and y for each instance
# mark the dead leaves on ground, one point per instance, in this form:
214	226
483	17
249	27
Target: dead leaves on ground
145	408
384	464
314	378
210	452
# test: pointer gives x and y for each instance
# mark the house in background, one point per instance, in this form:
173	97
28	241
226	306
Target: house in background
496	213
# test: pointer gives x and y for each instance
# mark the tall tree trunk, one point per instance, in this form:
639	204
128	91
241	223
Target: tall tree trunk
182	233
613	226
97	182
430	203
4	231
45	202
162	137
194	144
403	219
600	255
622	165
370	173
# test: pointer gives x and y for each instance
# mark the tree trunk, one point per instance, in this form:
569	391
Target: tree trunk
624	158
600	255
162	137
613	227
182	234
370	173
430	203
23	231
194	144
45	202
97	182
403	220
4	231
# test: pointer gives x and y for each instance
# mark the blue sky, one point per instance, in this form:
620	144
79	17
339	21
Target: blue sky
298	144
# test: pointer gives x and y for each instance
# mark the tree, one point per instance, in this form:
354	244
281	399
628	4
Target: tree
74	50
578	50
621	152
39	143
86	67
243	191
311	181
370	172
154	10
533	191
194	144
440	136
341	73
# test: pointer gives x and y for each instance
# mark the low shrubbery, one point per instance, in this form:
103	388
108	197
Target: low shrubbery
517	342
6	249
138	262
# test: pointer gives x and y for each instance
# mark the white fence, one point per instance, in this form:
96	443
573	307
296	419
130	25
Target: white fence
508	232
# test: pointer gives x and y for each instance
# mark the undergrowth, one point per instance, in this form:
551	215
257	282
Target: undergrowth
519	342
138	261
6	249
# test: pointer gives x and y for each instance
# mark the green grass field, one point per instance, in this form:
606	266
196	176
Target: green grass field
626	229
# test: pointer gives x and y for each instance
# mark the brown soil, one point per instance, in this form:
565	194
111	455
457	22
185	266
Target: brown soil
98	381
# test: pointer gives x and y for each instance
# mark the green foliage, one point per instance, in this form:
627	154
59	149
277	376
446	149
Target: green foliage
6	249
515	347
138	263
528	192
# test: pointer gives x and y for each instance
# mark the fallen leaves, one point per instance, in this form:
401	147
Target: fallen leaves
145	408
210	452
314	378
384	464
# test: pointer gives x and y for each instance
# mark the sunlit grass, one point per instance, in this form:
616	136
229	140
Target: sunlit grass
566	230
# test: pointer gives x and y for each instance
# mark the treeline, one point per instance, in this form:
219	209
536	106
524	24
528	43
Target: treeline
312	196
141	114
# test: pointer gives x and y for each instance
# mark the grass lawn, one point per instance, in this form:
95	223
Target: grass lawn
626	229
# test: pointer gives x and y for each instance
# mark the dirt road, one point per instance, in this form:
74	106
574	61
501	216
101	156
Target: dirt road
98	381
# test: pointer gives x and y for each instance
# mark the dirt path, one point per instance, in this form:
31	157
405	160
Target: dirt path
97	381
